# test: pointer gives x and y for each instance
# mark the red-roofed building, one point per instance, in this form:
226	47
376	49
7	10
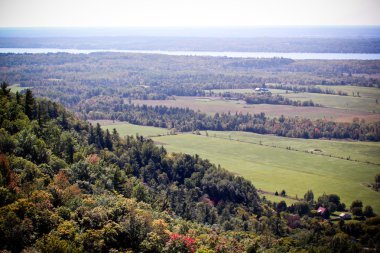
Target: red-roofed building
321	210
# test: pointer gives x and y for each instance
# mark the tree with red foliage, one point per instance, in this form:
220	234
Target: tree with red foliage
180	243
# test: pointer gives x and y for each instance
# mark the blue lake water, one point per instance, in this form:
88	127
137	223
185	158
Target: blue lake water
295	56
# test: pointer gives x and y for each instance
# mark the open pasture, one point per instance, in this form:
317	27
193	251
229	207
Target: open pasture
124	128
17	88
271	168
352	150
365	92
214	105
349	103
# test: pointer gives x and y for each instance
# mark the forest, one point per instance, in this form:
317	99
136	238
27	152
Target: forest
69	186
70	78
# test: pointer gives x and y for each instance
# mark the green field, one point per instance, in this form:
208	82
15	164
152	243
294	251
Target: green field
124	128
16	87
272	169
355	150
271	166
212	105
366	92
358	104
366	102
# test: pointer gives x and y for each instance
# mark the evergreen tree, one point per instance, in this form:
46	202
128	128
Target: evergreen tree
4	89
64	122
41	113
91	135
99	140
69	150
18	98
115	135
29	104
108	141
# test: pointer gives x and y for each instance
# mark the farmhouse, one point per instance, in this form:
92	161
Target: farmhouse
345	216
262	90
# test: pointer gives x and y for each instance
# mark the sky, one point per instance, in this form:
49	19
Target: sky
189	13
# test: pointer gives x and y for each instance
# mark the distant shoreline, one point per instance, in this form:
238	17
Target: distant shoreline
295	56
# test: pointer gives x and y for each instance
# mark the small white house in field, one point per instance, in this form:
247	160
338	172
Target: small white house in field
262	90
345	216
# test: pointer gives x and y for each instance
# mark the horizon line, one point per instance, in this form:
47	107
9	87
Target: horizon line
224	26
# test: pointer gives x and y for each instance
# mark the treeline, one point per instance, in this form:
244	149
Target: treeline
260	64
321	43
276	100
309	89
263	98
186	120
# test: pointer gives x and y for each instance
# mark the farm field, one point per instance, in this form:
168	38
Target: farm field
246	91
357	104
272	169
366	102
16	87
366	92
213	105
355	150
124	128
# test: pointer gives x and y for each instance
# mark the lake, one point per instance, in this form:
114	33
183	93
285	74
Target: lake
295	56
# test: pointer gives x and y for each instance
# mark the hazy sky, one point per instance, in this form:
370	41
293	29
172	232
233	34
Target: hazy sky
104	13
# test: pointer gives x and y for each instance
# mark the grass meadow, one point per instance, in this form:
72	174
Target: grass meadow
357	104
17	88
352	150
217	105
274	169
365	102
124	128
365	92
